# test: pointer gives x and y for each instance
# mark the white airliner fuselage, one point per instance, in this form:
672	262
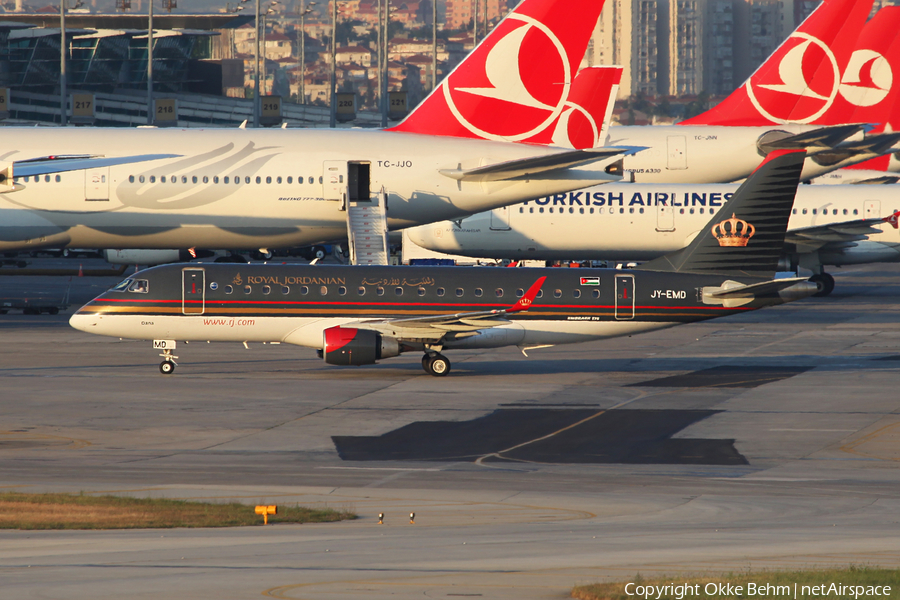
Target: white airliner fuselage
641	222
243	188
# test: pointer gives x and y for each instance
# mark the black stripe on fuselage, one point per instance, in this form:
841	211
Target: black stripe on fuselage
385	292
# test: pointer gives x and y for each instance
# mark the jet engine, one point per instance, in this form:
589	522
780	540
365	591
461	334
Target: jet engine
151	256
349	346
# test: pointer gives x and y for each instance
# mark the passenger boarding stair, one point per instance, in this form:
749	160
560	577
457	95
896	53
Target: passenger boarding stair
367	230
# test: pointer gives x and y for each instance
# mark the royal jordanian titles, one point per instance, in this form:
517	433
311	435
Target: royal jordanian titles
358	315
245	188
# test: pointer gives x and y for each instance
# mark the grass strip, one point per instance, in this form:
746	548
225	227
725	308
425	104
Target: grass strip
68	511
850	576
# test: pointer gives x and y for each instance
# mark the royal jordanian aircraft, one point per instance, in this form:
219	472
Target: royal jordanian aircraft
829	225
705	152
249	188
359	315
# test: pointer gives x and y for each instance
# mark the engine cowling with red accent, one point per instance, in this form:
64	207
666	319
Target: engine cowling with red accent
351	346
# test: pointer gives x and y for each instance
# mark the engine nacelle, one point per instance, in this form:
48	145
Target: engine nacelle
350	346
151	256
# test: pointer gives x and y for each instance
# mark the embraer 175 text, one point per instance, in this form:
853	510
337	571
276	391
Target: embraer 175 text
358	315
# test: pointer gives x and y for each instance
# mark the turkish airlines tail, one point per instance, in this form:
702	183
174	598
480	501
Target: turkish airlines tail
516	84
801	80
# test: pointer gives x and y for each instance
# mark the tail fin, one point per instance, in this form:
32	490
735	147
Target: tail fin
750	239
514	85
799	82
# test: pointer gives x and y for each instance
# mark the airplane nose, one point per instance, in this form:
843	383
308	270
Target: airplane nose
424	235
83	322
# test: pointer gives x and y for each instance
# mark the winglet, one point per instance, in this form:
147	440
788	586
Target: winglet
525	301
893	219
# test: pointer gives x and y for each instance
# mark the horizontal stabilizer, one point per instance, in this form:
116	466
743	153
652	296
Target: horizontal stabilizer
834	234
732	294
529	167
874	145
884	180
823	138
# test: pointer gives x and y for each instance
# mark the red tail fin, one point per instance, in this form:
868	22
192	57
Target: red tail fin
800	81
515	84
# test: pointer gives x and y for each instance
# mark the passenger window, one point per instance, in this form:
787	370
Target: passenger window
193	179
266	290
701	211
247	289
258	179
162	179
692	211
304	290
278	180
205	179
557	293
58	179
814	211
311	180
576	293
478	292
229	289
398	291
226	179
460	292
631	211
834	212
342	291
268	179
551	210
581	210
323	290
141	179
521	210
215	179
379	291
571	210
595	293
845	211
541	210
520	292
440	291
681	211
289	179
804	211
499	292
184	179
794	211
531	210
621	211
540	294
285	290
361	291
153	179
855	212
131	179
320	179
592	210
247	179
421	291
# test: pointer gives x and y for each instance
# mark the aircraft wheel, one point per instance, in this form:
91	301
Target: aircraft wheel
824	282
167	367
426	363
320	252
439	365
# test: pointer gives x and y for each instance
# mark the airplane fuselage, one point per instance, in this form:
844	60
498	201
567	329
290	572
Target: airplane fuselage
295	304
246	188
641	222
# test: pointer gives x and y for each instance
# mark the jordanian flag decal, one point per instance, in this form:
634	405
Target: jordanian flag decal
590	281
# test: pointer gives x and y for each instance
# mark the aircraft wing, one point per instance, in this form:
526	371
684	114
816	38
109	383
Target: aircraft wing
434	328
527	167
840	235
816	140
46	165
883	180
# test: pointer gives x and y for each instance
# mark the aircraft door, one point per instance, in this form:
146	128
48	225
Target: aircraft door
500	219
677	147
358	182
193	291
96	184
624	297
334	182
665	218
872	209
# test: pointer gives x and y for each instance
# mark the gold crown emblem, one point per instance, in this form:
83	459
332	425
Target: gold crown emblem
737	233
237	280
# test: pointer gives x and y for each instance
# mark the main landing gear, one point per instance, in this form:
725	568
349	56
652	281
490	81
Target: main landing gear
824	282
436	364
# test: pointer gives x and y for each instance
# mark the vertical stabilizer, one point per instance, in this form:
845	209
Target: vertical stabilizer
746	236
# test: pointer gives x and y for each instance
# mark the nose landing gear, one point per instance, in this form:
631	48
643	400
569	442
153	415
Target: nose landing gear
167	366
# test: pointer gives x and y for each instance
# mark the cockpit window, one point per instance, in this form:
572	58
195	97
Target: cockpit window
122	285
140	286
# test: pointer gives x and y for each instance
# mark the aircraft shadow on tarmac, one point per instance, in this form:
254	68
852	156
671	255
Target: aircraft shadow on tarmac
726	376
549	435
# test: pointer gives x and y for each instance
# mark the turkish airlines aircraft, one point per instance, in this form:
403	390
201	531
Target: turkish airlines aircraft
245	189
359	315
714	152
622	222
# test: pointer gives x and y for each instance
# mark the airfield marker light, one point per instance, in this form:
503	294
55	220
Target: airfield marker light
412	518
381	518
265	511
